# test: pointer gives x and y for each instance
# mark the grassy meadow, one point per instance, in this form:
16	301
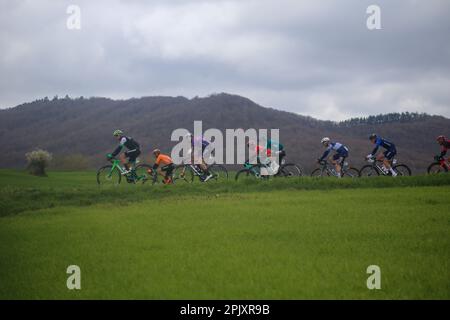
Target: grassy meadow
281	239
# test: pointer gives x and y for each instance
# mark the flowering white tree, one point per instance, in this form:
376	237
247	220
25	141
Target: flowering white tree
38	160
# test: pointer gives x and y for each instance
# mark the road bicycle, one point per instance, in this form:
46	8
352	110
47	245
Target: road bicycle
328	170
439	165
376	168
113	173
265	171
188	173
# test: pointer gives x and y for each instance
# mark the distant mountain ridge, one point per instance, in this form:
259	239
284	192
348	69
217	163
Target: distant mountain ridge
81	126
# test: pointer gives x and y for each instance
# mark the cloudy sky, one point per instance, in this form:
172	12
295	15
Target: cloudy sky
311	57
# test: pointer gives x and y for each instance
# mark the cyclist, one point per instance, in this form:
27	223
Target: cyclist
281	152
260	150
341	152
132	152
197	156
387	156
167	165
445	145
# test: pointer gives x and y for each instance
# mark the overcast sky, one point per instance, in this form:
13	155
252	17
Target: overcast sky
311	57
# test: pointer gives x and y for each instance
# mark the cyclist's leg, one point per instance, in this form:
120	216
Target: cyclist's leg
281	156
203	165
132	158
336	160
123	157
388	157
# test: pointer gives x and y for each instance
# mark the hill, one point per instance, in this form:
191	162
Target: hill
83	126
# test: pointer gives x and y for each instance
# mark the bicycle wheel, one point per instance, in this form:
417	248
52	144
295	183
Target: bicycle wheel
183	173
352	173
218	171
245	174
319	172
436	168
290	170
402	170
369	171
144	174
105	176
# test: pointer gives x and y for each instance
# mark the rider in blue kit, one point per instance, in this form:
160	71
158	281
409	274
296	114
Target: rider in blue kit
387	156
341	152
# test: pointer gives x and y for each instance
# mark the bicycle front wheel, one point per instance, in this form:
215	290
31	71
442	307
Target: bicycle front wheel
107	176
436	168
319	172
402	170
290	170
245	174
369	171
183	173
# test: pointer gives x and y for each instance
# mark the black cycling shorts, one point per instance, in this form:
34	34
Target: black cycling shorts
168	169
390	154
132	155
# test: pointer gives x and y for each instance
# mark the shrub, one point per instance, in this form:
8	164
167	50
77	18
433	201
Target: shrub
38	160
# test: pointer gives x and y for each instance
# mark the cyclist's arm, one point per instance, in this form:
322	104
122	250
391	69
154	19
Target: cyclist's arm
443	151
119	147
157	162
325	154
377	146
117	150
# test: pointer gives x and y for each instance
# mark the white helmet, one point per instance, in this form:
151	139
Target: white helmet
326	139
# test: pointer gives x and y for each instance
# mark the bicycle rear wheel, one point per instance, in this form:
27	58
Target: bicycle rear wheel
183	173
402	170
218	171
352	173
369	171
290	170
144	174
107	176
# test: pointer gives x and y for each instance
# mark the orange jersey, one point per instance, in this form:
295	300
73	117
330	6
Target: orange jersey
163	159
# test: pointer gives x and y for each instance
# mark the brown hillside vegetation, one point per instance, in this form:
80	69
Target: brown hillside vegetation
82	126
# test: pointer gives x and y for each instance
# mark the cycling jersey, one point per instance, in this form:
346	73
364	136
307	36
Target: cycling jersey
274	145
126	142
163	159
389	146
339	148
444	147
200	141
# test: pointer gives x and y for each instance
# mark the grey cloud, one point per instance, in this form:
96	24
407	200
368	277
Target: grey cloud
309	57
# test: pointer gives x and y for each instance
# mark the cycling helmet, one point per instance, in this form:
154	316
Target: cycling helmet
118	133
440	138
373	136
326	139
156	151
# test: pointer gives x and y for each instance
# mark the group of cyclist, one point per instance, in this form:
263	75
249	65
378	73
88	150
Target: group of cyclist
165	166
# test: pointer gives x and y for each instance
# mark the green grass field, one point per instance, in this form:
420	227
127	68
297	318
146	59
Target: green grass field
280	239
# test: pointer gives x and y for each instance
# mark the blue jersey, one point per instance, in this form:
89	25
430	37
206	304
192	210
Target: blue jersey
380	142
336	146
201	141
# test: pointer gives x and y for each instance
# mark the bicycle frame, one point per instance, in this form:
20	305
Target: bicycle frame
376	164
444	164
116	164
329	168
